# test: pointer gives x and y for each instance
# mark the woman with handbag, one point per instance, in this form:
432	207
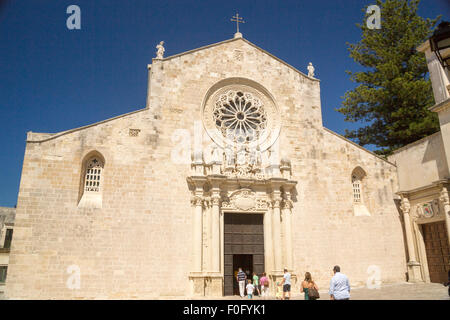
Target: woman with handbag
310	288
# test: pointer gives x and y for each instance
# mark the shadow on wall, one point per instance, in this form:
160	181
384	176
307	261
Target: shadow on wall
435	152
402	222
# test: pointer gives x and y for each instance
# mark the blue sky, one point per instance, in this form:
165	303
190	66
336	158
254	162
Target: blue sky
54	79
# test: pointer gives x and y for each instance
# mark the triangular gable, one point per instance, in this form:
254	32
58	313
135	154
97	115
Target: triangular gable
237	39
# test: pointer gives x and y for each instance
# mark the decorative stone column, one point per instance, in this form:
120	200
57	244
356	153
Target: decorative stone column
198	233
277	232
268	239
215	243
196	275
278	247
213	275
414	273
207	229
287	222
444	198
287	226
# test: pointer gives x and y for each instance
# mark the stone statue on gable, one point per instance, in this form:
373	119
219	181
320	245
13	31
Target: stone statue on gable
160	52
311	70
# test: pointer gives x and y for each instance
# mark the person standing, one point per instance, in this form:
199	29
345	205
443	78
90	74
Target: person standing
286	284
339	285
241	281
264	282
256	283
250	288
307	286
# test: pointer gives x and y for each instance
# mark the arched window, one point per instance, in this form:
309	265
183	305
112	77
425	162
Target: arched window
94	168
359	207
356	189
358	175
91	185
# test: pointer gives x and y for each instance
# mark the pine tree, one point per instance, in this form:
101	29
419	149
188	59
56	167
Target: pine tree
394	93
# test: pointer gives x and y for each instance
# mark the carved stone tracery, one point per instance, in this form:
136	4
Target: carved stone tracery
239	115
240	112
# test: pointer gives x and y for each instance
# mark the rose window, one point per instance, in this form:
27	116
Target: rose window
239	116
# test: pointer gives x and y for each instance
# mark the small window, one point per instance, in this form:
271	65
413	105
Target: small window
8	238
93	175
356	189
3	270
358	175
91	181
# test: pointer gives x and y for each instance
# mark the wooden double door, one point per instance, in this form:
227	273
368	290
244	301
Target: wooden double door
243	248
437	249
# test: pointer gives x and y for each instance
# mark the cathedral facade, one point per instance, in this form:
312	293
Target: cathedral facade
227	166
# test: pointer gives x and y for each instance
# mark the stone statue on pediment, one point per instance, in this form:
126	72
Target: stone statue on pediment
311	70
160	51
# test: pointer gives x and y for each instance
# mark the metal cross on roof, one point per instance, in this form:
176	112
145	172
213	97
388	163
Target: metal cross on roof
238	20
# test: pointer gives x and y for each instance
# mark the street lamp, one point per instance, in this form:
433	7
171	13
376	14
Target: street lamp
440	43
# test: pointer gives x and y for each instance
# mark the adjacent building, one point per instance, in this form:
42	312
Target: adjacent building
423	178
6	232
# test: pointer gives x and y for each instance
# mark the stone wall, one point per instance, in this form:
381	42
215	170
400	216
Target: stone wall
421	163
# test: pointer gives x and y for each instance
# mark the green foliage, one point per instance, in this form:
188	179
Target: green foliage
394	94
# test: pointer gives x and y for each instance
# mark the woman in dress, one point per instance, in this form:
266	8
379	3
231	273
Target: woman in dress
307	285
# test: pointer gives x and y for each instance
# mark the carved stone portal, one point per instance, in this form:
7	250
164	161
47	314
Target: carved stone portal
235	191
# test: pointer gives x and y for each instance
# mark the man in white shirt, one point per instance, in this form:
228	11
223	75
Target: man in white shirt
286	283
339	285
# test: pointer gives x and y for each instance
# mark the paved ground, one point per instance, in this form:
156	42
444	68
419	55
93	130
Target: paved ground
399	291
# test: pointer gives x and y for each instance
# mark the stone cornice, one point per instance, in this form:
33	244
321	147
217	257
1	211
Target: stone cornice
51	136
358	146
415	143
444	105
216	181
435	184
424	46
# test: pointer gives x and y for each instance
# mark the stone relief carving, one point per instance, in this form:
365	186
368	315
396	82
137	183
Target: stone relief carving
426	210
238	55
242	164
287	204
196	201
405	206
444	196
244	200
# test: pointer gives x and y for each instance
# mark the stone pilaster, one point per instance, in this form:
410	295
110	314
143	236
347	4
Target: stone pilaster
197	223
277	231
207	229
268	239
414	273
287	227
444	198
215	243
197	233
287	222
